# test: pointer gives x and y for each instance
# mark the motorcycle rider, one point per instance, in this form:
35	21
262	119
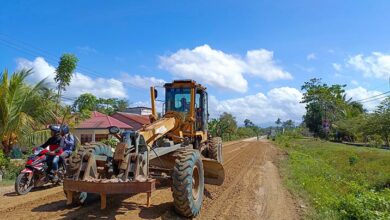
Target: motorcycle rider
55	148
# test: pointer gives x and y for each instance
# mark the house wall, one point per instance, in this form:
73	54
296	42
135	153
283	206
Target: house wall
78	132
139	111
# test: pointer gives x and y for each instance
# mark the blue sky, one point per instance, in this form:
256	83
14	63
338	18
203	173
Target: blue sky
130	45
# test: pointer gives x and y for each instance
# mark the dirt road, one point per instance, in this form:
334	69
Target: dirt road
252	190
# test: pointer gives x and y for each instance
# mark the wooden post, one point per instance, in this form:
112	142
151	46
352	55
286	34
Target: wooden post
103	201
69	197
148	197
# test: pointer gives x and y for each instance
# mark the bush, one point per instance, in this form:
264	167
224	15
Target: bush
353	160
375	141
12	171
4	161
366	205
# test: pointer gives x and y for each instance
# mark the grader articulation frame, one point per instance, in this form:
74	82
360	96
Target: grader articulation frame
176	147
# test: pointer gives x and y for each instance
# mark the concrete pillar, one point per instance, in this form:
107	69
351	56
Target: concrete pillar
93	136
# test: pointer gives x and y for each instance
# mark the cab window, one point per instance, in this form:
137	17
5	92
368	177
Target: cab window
178	99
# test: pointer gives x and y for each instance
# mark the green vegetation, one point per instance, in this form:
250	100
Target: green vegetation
337	180
329	114
226	127
64	72
24	108
87	102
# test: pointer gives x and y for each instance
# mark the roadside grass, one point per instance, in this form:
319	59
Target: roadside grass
337	181
7	182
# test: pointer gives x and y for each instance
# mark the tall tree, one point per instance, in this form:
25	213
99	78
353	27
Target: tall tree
381	120
278	122
88	102
64	71
324	105
85	102
248	123
228	124
289	124
23	108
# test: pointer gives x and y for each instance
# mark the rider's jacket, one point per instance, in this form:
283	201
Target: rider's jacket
54	144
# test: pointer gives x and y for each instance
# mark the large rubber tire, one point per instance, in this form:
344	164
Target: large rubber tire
75	162
21	181
188	183
215	149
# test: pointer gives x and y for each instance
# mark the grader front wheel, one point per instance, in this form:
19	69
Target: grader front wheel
188	183
215	149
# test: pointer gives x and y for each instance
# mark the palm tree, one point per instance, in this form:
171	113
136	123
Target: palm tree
23	108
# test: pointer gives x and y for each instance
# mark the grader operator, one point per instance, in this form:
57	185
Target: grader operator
177	147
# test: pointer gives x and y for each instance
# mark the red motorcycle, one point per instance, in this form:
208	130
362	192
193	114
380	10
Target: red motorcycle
36	172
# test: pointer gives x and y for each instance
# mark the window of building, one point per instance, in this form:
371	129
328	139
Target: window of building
100	137
86	138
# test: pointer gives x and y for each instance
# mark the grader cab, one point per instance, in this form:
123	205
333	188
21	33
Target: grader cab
176	147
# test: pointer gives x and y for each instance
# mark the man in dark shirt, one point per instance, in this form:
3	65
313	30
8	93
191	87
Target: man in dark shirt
54	143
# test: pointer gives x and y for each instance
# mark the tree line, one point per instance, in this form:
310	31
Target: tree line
226	126
330	115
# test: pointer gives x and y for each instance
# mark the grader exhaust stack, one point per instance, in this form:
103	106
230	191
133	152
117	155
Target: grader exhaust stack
177	147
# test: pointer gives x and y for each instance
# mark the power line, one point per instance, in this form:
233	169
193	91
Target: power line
35	51
382	94
383	97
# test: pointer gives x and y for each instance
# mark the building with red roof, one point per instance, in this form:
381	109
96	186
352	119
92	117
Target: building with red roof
136	121
95	128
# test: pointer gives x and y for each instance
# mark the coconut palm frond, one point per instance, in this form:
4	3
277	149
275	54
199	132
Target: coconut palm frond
24	108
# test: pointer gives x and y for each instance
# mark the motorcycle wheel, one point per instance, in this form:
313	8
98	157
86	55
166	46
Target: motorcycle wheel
23	185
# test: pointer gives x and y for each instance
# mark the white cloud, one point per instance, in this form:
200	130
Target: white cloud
377	65
337	66
360	93
261	63
80	83
354	82
311	56
141	81
281	103
216	68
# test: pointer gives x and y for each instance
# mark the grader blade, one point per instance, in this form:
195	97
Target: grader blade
214	173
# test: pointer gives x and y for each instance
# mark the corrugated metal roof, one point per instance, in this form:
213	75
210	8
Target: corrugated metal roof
99	120
142	119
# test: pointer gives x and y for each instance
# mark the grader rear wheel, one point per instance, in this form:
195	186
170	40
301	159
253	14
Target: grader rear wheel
215	149
188	183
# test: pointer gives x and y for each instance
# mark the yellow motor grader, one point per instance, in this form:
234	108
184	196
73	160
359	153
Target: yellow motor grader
176	147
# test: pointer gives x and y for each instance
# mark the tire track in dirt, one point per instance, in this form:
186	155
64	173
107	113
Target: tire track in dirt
219	202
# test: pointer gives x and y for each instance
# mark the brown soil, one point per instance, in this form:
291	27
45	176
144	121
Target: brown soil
252	190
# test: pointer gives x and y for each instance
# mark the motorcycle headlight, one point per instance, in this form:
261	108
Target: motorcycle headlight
37	151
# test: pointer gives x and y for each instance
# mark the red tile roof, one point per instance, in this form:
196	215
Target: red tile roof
141	119
99	120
